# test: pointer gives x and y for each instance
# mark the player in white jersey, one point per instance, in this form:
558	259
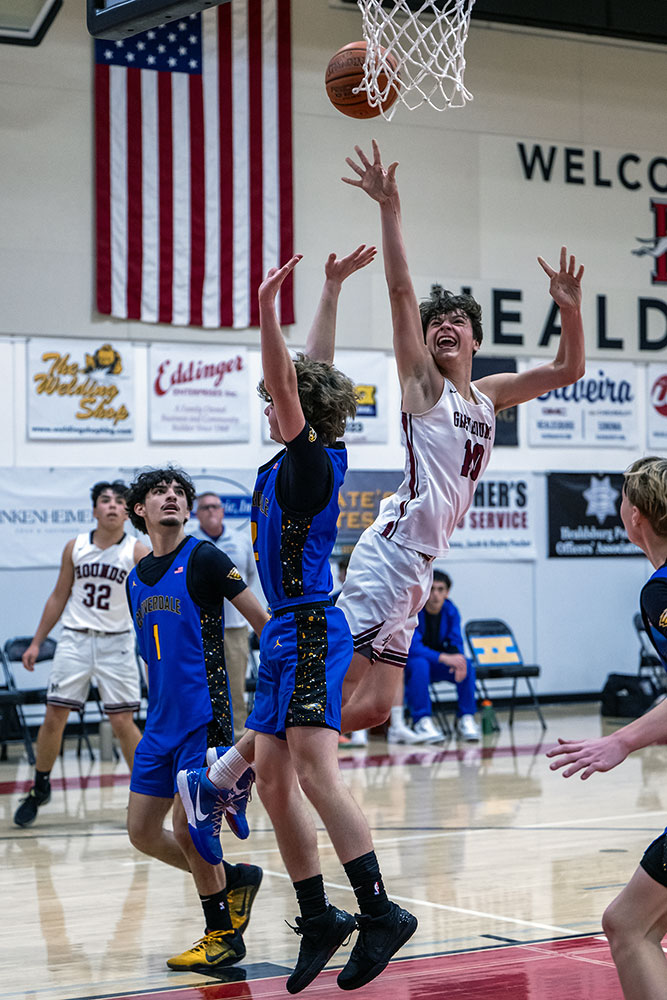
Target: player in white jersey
97	639
448	426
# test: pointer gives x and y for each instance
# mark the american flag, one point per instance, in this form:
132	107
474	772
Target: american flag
193	133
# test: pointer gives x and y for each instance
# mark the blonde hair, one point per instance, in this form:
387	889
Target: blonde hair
645	486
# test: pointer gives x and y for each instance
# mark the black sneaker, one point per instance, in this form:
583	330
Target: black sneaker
241	897
379	939
27	811
321	936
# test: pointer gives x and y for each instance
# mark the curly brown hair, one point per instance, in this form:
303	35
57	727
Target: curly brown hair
328	398
645	486
441	302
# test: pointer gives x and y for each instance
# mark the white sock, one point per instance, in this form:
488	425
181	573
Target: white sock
228	769
397	717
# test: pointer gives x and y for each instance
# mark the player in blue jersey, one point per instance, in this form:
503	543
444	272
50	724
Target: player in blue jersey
636	921
176	594
304	654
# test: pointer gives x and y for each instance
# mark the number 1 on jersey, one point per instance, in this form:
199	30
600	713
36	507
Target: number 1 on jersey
157	641
472	461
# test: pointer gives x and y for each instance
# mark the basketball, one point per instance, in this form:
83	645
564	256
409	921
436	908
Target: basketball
345	72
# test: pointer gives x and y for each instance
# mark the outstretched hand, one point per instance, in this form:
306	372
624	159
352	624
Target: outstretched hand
339	268
377	182
565	285
275	277
587	756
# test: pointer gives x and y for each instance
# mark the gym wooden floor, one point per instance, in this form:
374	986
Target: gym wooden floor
507	866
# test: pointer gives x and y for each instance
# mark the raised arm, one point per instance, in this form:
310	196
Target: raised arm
509	388
278	367
54	607
321	340
416	369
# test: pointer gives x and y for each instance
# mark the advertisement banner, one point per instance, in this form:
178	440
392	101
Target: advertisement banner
584	518
198	393
359	499
79	390
599	410
506	420
656	407
501	522
42	508
368	371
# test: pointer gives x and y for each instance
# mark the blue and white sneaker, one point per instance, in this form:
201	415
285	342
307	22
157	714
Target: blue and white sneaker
204	805
235	798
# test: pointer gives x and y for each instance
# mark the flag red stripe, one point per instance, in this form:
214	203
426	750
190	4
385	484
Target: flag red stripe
134	194
166	198
285	154
226	147
103	189
197	200
255	154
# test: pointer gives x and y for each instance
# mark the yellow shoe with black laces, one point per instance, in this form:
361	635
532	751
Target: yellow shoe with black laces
214	950
241	897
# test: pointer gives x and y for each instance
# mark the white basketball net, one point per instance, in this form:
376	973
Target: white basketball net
428	46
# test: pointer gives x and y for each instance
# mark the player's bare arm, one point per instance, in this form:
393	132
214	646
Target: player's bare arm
421	382
509	388
278	368
321	341
54	607
589	756
251	609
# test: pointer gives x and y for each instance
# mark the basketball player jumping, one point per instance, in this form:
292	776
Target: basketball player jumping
447	428
96	641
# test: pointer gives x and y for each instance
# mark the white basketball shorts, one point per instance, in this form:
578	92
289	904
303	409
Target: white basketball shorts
385	588
104	657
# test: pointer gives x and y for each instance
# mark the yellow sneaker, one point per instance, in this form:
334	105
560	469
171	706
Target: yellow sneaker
240	899
215	949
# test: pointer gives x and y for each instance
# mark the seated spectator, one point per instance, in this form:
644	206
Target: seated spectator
436	654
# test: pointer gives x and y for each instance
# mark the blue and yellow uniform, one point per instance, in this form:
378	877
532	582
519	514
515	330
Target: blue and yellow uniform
176	606
306	647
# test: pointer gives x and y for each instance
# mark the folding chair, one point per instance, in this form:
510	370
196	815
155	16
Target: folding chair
33	685
649	662
17	692
496	656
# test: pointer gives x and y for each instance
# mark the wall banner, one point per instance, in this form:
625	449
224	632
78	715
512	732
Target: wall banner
359	499
599	410
584	518
656	407
501	522
198	393
506	420
368	371
80	390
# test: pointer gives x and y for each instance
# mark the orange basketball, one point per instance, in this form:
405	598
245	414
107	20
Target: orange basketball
345	72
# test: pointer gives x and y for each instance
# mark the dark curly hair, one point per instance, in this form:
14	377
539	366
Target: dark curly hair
441	302
327	396
117	486
146	481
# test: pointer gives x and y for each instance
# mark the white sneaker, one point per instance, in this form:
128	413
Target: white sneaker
427	728
403	734
358	738
467	728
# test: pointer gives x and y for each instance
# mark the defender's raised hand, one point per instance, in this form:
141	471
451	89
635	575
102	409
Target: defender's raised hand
339	268
377	182
275	277
565	285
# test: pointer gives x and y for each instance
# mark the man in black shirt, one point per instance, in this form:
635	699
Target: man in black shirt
175	595
636	921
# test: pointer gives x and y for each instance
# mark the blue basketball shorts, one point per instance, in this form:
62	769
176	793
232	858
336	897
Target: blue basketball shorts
155	768
304	656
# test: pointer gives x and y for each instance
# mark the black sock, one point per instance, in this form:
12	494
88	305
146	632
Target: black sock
216	911
42	781
366	880
233	874
310	896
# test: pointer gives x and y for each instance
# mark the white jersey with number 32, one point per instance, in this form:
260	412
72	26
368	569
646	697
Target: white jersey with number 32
446	451
98	598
